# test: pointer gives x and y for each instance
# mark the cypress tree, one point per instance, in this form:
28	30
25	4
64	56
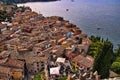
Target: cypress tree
104	59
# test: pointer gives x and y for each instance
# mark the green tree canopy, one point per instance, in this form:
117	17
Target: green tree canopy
102	50
116	64
116	67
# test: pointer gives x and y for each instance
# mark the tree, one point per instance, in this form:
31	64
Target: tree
104	59
97	44
4	16
95	38
117	59
80	41
116	64
94	48
116	67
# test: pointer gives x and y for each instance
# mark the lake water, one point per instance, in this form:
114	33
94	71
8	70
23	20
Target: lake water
88	15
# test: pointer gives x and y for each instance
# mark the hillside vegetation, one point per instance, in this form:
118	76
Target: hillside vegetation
22	1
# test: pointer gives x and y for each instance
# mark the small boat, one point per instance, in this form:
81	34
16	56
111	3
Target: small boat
72	0
98	28
67	9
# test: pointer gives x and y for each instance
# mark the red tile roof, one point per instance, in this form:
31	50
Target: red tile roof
70	55
86	61
3	60
4	70
4	54
15	63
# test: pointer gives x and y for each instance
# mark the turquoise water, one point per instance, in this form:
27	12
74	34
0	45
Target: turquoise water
88	15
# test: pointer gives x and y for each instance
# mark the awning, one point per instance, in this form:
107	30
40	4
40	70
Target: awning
54	70
62	60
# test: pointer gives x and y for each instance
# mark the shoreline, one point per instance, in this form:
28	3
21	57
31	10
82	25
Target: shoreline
89	25
22	2
48	47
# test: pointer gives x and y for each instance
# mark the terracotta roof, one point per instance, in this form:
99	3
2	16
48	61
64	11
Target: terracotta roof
86	61
58	50
4	79
2	37
61	40
7	32
3	60
2	26
4	54
56	18
15	63
4	70
47	51
70	55
13	41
